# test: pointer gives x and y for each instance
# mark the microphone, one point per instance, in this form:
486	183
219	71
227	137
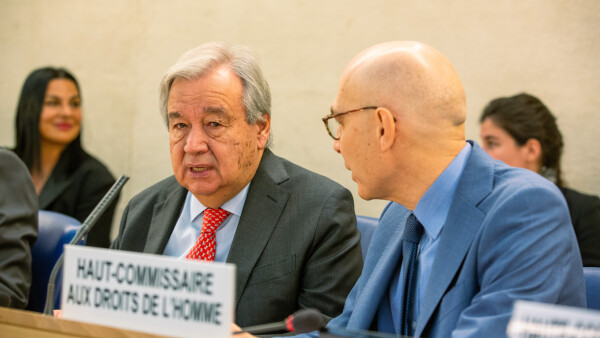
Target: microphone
302	321
87	225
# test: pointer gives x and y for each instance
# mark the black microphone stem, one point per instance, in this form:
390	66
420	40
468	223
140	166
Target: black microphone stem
83	230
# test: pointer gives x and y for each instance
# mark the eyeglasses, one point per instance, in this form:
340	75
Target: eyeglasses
332	124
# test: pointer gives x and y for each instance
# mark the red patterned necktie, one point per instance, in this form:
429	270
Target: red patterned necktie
205	247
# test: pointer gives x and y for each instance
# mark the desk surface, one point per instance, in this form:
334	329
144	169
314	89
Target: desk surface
20	323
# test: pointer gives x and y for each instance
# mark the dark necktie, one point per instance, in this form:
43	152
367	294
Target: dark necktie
410	242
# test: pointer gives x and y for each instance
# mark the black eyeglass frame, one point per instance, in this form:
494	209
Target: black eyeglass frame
334	115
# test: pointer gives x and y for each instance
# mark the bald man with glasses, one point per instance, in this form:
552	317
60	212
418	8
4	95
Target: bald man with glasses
464	236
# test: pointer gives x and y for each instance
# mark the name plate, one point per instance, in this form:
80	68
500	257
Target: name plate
533	319
149	293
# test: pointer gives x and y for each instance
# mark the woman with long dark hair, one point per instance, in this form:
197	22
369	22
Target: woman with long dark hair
522	132
48	139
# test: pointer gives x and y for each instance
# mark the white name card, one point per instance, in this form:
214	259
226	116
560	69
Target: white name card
149	293
532	319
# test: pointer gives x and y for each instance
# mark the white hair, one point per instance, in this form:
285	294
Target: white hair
197	62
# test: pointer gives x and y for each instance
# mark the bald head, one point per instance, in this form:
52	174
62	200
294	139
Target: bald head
412	79
416	129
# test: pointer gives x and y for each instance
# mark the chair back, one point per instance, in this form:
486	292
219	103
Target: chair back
55	230
366	226
592	287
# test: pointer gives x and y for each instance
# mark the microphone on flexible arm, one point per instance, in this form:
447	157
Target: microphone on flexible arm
302	321
87	225
308	320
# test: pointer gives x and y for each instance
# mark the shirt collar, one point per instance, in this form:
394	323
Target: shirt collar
234	205
432	209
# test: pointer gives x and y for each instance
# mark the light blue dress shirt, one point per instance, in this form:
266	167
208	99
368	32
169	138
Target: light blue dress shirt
189	226
432	211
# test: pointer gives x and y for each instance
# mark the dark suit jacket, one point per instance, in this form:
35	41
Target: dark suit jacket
77	193
585	215
18	230
296	245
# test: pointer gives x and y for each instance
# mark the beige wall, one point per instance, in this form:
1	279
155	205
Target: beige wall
118	49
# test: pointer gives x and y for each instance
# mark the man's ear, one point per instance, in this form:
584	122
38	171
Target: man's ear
386	128
264	130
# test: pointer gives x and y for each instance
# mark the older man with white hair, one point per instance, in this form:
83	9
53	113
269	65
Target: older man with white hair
291	233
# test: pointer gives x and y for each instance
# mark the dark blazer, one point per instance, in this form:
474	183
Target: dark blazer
585	215
296	245
507	236
18	230
76	194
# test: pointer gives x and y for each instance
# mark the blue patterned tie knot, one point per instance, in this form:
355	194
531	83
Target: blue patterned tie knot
413	230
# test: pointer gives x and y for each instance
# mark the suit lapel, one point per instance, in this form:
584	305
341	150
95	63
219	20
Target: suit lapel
380	264
263	207
165	215
461	227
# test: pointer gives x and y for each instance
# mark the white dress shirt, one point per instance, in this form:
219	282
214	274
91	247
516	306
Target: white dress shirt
189	226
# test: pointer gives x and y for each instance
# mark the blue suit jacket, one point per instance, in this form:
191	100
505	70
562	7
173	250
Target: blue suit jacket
507	236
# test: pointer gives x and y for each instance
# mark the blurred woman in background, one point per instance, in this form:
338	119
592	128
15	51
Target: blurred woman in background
48	139
522	132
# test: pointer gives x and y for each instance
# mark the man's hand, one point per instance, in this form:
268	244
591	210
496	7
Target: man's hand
235	328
